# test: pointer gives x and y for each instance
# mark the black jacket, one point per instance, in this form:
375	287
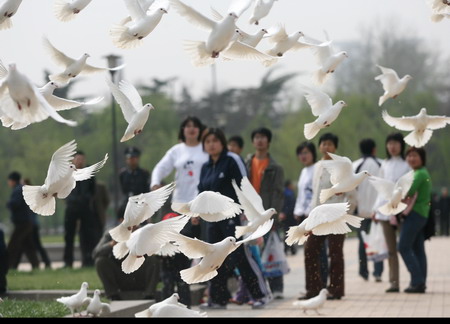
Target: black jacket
20	212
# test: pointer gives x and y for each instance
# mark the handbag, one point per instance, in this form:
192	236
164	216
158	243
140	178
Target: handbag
273	259
375	243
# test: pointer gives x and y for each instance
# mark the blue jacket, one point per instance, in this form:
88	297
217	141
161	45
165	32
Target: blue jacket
20	212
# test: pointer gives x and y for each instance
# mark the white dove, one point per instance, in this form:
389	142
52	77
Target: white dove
170	307
323	220
75	302
60	103
21	101
66	10
261	10
7	10
212	255
328	59
60	181
313	303
147	240
72	67
135	112
392	84
284	42
421	126
393	193
130	36
140	208
342	177
253	207
322	107
95	307
440	9
210	206
221	33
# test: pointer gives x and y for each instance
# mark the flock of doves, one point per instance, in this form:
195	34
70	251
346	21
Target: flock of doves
22	103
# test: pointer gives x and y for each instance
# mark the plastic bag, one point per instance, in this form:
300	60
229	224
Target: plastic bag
273	258
375	243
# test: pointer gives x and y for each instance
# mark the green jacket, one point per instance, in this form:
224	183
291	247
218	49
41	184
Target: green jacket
421	185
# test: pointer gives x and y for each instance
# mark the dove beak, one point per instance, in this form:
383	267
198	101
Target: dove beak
164	10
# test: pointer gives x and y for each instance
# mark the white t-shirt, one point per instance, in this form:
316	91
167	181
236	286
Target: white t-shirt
304	192
188	162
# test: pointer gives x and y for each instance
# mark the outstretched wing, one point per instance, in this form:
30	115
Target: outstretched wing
383	186
192	15
59	57
326	213
340	168
128	109
402	123
388	78
88	172
405	182
60	162
436	122
192	248
319	101
135	9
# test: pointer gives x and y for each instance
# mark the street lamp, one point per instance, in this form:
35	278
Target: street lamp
113	61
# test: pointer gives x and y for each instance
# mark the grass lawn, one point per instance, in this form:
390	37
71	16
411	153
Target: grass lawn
53	279
11	308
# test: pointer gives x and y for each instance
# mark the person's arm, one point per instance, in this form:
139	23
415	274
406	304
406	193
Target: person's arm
104	247
236	173
163	169
419	178
16	199
278	193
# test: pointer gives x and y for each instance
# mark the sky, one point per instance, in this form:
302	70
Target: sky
162	56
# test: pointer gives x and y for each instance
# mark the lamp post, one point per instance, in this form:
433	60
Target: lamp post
113	61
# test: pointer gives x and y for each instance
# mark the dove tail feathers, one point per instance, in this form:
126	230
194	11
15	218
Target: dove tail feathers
62	10
6	24
311	130
195	275
132	263
292	235
382	100
120	250
241	230
145	313
319	76
325	194
121	37
387	209
436	18
269	63
197	52
120	233
38	202
417	139
354	221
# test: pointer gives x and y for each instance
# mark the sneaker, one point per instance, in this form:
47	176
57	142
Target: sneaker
258	304
377	279
420	289
278	295
393	290
206	306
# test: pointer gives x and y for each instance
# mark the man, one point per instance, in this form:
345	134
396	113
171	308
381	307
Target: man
365	199
80	209
133	179
22	218
267	177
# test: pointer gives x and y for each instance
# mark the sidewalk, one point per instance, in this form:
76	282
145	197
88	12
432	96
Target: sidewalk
364	298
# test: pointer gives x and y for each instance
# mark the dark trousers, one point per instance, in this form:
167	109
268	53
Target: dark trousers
3	263
39	247
218	289
22	241
314	282
114	280
170	276
363	269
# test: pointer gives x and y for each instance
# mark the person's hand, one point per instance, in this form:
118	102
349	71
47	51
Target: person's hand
373	218
155	187
112	243
282	216
195	221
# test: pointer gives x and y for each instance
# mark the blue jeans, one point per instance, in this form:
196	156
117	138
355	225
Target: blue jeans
412	248
363	269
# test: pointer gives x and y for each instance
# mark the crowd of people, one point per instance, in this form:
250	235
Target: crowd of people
204	160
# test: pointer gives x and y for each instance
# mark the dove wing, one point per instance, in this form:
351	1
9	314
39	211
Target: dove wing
278	35
131	92
62	104
388	78
59	57
192	15
134	210
88	172
60	162
239	6
260	231
402	123
250	211
436	122
193	248
156	199
326	213
136	10
3	71
128	109
340	168
384	187
405	182
323	51
319	101
299	45
240	50
146	4
216	15
251	194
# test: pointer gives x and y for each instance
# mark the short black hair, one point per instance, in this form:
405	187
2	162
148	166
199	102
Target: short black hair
219	134
197	123
238	140
419	150
398	137
80	153
309	146
132	152
15	176
262	131
366	146
329	137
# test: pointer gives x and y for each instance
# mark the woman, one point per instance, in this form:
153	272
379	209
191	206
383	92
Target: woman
187	157
216	175
392	169
412	244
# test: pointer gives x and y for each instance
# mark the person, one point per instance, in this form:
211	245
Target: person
365	200
267	177
133	179
80	210
22	217
328	143
187	158
3	264
217	175
115	282
444	215
391	169
411	244
286	215
236	144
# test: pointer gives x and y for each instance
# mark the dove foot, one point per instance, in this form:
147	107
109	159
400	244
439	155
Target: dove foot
55	194
44	195
215	54
394	97
256	23
76	11
9	15
279	54
19	106
28	102
140	37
